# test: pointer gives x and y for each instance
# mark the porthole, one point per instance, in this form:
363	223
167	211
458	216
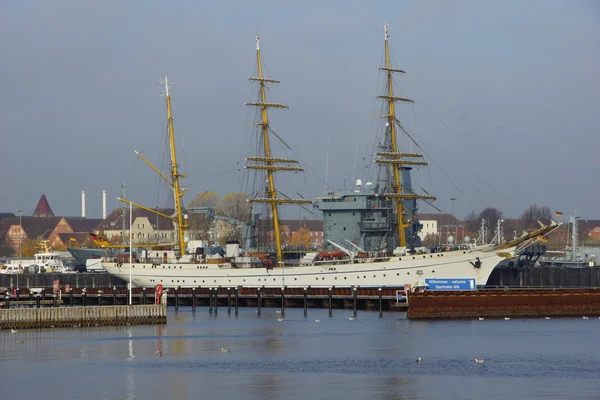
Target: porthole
433	271
408	273
345	277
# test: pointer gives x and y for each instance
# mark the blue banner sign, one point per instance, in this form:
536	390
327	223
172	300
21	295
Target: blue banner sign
451	284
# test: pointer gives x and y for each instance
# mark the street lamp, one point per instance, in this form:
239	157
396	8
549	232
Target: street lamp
20	244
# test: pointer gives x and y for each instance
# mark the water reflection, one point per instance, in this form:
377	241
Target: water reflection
298	359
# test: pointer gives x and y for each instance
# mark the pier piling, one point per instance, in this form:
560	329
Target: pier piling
114	296
380	303
83	296
330	302
258	300
210	301
354	300
305	302
144	296
193	299
237	294
282	301
228	300
216	294
177	298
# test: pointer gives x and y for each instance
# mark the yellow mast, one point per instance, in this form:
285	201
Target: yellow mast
182	224
394	157
268	163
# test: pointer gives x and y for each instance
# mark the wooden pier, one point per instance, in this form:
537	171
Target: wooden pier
57	317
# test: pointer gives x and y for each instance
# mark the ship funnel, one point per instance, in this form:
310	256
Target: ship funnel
104	204
83	203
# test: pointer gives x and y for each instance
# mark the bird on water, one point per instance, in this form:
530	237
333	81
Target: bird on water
419	360
478	361
224	350
159	353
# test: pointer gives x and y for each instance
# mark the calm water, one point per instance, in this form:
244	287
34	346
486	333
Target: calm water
299	358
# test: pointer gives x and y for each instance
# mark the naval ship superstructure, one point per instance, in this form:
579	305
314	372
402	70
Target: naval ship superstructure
380	216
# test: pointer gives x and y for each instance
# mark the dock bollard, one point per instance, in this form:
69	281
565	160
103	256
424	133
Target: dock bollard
144	296
99	294
258	300
83	296
330	302
237	294
282	301
114	295
380	302
228	300
354	298
305	302
193	299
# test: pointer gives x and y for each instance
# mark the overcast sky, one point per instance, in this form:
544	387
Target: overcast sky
507	96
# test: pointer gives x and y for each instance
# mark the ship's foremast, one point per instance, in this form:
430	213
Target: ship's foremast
178	193
267	162
397	160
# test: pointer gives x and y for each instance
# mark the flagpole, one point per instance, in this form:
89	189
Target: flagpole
130	251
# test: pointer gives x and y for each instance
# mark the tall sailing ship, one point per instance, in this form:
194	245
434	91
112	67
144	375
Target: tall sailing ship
385	221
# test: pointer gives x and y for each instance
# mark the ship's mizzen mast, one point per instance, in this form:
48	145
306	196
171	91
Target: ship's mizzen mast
182	223
267	162
397	160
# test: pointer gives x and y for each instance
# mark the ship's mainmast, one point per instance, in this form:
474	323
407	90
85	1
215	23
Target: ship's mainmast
398	161
267	162
182	224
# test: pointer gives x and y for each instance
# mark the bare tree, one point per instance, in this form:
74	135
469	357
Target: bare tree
472	221
235	205
534	213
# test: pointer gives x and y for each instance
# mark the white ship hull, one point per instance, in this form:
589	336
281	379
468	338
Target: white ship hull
395	272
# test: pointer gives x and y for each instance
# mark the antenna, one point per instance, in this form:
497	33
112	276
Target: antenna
327	163
354	166
257	42
386	34
167	87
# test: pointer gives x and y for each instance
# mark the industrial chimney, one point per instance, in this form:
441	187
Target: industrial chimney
104	204
83	203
